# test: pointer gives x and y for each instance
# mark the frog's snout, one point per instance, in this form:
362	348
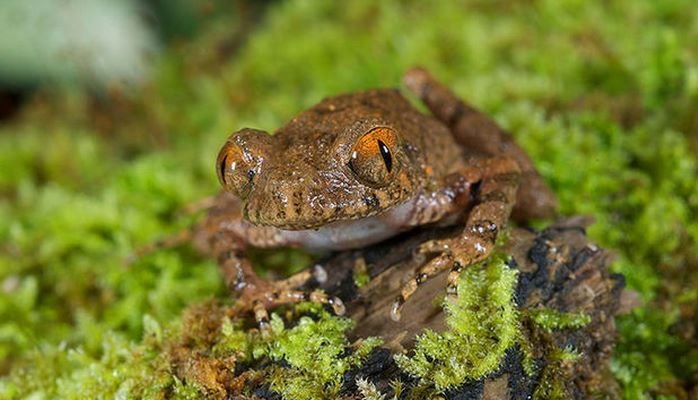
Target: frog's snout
289	198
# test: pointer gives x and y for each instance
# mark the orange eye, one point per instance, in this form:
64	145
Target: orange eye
234	171
373	156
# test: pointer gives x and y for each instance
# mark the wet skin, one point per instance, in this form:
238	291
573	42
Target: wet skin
358	168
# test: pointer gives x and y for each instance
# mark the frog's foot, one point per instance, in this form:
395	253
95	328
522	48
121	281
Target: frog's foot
474	245
259	295
426	272
261	302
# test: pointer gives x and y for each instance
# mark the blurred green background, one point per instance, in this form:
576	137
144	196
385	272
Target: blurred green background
112	114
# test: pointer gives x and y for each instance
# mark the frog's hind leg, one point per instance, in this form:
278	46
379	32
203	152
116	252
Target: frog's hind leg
476	131
428	271
495	197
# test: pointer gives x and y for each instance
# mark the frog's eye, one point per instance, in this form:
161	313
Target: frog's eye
372	158
234	170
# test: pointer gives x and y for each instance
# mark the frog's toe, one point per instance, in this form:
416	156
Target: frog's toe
260	303
438	264
396	309
337	305
261	316
436	246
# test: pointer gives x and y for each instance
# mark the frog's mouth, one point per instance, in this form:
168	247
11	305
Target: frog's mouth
353	233
312	210
315	215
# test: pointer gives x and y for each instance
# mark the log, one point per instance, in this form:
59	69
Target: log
559	269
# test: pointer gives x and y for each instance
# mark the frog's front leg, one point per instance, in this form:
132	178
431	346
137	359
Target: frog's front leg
494	197
255	293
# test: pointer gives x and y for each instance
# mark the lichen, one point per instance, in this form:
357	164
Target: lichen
483	324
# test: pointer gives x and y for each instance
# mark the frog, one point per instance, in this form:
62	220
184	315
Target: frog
360	168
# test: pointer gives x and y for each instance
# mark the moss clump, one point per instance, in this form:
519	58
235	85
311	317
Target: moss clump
550	320
553	377
483	324
122	369
184	361
316	351
641	360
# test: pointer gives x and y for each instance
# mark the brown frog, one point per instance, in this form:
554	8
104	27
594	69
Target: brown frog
358	168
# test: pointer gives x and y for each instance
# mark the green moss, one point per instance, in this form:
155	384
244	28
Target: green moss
360	273
121	369
235	339
483	324
550	320
553	379
315	350
648	354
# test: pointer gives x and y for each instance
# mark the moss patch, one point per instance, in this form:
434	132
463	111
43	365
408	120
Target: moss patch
122	369
553	376
483	324
549	319
316	353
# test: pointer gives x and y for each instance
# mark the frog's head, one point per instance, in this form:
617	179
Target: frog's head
335	162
